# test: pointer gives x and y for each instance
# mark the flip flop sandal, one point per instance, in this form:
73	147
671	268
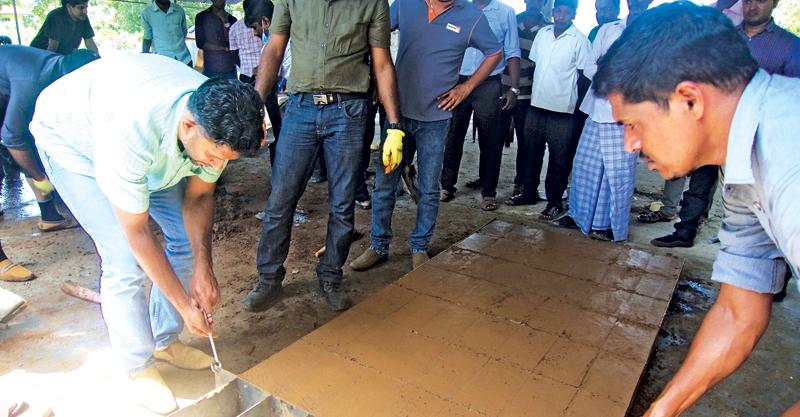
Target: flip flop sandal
653	217
364	205
488	204
67	223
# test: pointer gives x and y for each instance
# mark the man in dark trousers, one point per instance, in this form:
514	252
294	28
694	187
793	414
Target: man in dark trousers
211	29
65	27
327	110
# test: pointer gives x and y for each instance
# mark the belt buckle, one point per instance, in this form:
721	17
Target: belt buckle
321	99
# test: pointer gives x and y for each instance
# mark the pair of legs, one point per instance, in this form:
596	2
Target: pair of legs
135	327
603	180
362	193
308	128
429	139
485	103
517	116
551	130
696	203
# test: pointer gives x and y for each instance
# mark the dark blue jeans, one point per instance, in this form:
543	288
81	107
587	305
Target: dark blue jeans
429	139
307	129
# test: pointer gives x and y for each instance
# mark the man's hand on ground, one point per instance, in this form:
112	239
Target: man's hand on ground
510	100
204	289
393	149
449	100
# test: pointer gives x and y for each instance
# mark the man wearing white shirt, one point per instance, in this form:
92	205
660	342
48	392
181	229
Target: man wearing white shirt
560	53
604	174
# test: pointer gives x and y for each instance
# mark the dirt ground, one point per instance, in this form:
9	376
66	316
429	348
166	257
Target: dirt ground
55	352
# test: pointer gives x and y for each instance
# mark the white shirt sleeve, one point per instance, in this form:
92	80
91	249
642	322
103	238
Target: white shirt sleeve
583	53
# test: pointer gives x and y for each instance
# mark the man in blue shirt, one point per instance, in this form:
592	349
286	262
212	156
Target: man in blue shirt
164	27
486	101
701	101
433	38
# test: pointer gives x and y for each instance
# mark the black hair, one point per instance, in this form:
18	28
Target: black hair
572	4
5	40
64	3
256	10
672	43
231	113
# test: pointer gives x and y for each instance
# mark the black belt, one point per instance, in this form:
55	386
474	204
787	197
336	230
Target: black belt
330	98
462	78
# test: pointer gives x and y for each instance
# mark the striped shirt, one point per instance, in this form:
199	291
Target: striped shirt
243	39
775	49
526	37
123	134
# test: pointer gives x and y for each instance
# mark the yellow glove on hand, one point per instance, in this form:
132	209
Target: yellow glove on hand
45	186
393	149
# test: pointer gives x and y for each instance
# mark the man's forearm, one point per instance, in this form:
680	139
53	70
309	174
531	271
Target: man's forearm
27	161
387	90
198	215
513	71
92	46
726	338
484	70
268	65
146	44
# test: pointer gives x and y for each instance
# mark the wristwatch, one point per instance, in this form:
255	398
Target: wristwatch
514	90
397	126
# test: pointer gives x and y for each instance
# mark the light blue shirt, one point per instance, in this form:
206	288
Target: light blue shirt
167	31
503	22
760	230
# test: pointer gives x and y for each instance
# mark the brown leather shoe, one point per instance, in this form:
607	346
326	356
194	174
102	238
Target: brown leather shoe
367	260
419	258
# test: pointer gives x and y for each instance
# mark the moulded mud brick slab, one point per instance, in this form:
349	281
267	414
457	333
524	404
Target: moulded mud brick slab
512	321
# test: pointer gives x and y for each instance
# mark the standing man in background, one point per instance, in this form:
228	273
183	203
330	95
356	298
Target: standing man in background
486	101
245	46
211	27
528	24
433	39
327	109
65	27
164	26
560	53
775	49
606	11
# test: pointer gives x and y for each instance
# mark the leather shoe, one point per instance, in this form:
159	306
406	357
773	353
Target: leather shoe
263	296
334	295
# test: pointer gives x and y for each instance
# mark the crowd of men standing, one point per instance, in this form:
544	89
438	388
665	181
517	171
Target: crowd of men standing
457	61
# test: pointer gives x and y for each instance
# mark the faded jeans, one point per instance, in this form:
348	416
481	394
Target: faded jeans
308	129
429	139
134	328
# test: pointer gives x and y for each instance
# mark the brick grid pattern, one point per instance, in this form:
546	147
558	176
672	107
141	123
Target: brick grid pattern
511	321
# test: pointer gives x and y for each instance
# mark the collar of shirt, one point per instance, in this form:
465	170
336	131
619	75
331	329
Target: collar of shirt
491	6
569	32
738	162
768	29
154	7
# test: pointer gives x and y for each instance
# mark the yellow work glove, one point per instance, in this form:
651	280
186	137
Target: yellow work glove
45	186
393	149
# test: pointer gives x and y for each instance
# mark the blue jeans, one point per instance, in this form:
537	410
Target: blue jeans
338	129
134	328
429	139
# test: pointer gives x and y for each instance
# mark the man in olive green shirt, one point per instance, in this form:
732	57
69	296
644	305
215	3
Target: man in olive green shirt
327	110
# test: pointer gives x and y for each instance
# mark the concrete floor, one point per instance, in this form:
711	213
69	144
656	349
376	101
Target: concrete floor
55	353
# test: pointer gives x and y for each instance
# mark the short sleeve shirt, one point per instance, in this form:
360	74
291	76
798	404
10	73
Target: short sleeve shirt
167	31
131	149
430	53
331	41
558	60
68	32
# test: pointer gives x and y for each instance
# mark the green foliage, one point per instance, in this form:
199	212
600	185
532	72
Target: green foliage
788	15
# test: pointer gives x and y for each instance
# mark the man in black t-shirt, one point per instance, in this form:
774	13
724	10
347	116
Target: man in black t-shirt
64	28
